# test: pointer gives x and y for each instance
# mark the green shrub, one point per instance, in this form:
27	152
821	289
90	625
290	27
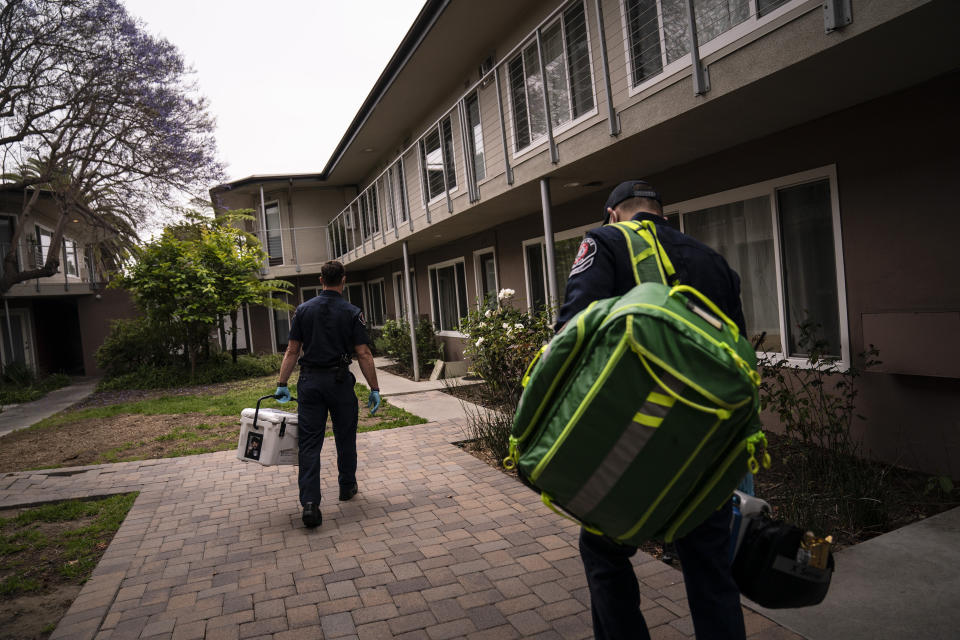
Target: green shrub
395	341
501	342
219	368
134	344
19	384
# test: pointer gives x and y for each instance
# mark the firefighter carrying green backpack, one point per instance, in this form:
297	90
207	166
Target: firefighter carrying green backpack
641	416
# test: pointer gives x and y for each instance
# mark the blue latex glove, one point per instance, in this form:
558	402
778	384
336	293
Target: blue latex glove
282	394
373	403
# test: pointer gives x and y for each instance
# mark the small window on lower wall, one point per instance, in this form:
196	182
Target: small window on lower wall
783	238
377	303
485	267
448	295
353	293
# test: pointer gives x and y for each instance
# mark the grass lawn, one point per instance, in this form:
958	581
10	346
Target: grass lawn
189	421
46	554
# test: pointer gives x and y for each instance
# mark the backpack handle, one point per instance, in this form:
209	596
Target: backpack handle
684	288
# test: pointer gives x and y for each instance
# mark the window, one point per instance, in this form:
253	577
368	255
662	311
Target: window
309	292
400	190
475	139
657	30
7	225
71	259
281	324
565	247
377	302
437	160
44	239
271	216
448	294
369	211
485	268
783	238
353	293
569	82
400	293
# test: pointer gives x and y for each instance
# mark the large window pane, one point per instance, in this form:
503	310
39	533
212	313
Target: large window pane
271	214
281	325
565	252
556	74
809	262
742	233
488	278
433	159
521	121
578	60
446	297
534	84
70	251
714	17
643	29
535	276
377	303
354	295
447	129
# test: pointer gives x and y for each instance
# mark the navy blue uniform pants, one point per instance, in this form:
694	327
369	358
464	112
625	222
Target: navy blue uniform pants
713	596
319	394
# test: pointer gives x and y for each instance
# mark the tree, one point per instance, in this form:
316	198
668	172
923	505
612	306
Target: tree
194	274
97	116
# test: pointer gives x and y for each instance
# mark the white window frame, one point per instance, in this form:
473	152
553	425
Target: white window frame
398	300
769	188
266	232
273	322
25	317
76	258
536	143
383	301
363	294
784	13
318	288
422	156
477	276
557	237
440	265
43	257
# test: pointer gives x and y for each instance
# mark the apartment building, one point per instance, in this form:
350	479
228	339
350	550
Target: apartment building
814	144
55	324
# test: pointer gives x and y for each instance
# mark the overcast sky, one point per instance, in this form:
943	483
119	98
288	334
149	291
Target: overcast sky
284	78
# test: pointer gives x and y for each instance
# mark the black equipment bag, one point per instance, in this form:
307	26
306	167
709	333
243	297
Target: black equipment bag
768	571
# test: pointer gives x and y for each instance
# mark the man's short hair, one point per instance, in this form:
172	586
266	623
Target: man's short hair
631	206
331	273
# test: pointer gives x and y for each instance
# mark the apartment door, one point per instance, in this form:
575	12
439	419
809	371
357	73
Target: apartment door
17	342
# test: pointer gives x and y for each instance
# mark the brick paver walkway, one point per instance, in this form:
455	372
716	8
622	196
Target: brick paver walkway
436	545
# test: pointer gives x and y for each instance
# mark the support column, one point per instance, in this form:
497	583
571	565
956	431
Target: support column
548	243
612	118
408	286
701	84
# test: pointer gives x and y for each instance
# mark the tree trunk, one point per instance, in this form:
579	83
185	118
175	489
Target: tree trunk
223	333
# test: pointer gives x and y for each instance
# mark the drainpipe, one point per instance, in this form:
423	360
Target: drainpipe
413	321
612	117
548	242
293	227
701	83
503	127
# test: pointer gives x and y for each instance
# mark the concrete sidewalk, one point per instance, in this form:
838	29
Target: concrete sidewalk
24	415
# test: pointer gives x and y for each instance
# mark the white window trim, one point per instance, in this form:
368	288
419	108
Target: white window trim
785	13
318	287
76	254
476	270
25	317
398	300
266	231
453	141
383	299
557	236
441	265
536	143
769	188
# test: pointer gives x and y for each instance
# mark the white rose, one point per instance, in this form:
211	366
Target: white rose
487	314
518	326
480	341
505	294
482	324
506	325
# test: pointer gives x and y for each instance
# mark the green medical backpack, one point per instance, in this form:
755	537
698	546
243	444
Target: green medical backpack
641	416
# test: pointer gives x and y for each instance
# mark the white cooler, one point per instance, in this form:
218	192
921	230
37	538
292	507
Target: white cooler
271	440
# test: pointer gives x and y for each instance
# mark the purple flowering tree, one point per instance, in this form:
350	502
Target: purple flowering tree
99	120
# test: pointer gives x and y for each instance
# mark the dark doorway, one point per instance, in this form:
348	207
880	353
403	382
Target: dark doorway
59	347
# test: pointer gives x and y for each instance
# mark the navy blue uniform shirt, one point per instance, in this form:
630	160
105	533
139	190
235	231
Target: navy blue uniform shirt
329	327
603	270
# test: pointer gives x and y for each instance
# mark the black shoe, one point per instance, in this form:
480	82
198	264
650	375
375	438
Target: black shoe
311	516
348	492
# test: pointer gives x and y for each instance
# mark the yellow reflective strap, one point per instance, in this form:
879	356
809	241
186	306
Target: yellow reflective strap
547	500
659	398
526	374
647	421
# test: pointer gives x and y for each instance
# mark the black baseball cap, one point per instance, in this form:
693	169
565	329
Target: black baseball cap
627	190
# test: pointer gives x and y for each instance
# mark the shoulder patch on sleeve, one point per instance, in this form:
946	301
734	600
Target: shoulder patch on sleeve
585	256
363	321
